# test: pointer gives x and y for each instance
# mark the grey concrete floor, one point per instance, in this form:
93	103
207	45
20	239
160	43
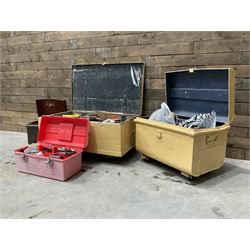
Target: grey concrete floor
128	187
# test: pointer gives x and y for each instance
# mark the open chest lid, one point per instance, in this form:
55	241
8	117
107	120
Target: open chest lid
50	106
64	131
108	87
201	91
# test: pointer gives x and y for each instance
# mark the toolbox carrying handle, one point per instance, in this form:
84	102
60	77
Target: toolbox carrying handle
210	139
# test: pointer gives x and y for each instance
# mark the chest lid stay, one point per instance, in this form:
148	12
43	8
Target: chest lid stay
109	87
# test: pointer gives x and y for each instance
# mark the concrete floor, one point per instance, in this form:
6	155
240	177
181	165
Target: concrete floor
122	188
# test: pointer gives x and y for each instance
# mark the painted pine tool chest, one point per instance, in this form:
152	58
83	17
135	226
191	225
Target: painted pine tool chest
193	151
108	92
58	153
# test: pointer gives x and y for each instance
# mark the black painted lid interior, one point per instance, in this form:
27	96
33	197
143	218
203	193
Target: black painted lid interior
109	87
200	91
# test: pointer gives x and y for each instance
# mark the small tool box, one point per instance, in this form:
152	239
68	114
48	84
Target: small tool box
58	152
111	95
193	151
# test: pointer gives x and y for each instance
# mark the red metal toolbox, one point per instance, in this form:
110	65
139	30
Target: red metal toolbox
61	137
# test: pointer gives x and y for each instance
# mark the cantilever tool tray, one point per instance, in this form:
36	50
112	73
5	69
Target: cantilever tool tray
192	151
58	152
111	96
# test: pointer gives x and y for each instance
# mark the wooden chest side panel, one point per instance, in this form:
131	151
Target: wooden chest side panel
128	136
164	144
209	150
105	138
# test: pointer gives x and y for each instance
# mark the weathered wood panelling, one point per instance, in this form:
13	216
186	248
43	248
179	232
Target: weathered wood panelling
38	65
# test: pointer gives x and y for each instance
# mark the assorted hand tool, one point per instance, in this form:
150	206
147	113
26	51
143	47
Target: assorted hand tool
100	117
52	152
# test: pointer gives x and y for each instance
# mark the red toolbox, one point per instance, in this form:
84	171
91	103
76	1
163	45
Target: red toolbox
58	152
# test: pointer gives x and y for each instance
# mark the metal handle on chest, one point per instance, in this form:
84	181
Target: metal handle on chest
211	139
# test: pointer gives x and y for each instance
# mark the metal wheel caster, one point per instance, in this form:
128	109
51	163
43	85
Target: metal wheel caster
190	177
146	158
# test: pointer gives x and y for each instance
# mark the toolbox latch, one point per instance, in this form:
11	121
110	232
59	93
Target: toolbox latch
23	157
49	162
159	134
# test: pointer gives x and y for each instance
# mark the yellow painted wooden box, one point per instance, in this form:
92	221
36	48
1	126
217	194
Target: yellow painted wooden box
112	139
192	151
108	90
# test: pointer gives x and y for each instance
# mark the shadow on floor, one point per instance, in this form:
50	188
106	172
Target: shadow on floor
131	157
91	161
212	178
226	172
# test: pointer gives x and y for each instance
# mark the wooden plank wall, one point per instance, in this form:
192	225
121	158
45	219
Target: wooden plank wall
37	65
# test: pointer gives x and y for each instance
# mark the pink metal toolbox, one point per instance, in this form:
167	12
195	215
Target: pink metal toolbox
61	141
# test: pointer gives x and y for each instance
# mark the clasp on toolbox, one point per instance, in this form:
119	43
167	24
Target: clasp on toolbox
23	157
159	134
49	163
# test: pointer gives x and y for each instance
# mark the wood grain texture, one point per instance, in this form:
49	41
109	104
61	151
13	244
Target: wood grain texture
242	109
39	64
239	132
197	59
163	37
156	49
111	139
228	45
238	153
236	142
242	83
241	121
